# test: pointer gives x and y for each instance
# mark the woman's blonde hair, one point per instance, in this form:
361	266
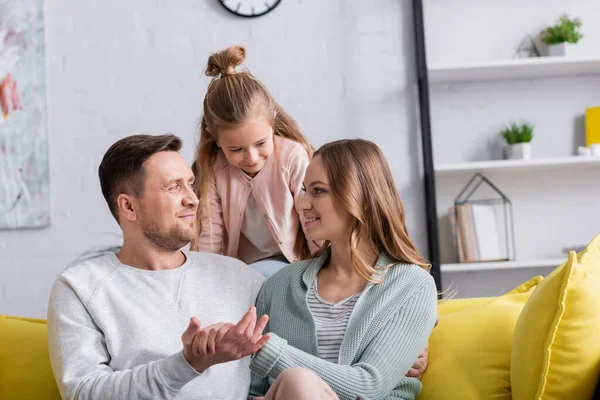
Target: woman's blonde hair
233	98
361	180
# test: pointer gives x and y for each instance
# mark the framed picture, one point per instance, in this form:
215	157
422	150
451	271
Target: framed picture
24	175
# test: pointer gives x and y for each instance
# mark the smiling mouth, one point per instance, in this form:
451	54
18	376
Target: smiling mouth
308	222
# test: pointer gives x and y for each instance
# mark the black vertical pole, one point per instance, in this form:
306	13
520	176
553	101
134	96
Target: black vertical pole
429	173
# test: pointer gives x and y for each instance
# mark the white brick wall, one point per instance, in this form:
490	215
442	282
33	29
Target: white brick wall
342	68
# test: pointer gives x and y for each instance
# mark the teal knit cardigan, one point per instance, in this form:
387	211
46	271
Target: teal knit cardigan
389	326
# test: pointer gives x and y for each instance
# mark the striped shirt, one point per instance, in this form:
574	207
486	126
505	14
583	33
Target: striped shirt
331	321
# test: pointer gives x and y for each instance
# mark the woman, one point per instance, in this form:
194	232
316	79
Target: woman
360	312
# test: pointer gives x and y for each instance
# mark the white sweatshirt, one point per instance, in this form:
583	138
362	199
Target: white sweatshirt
114	331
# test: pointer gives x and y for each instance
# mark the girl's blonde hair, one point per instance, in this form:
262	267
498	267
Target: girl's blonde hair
233	98
361	180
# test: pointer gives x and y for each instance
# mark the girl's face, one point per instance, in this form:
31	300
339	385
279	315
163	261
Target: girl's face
249	145
323	217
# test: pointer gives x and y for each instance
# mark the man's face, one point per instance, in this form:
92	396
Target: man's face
168	206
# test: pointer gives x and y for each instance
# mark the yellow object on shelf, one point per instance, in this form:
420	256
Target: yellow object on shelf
592	126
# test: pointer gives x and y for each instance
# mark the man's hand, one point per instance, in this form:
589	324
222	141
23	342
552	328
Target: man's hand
223	342
419	367
187	338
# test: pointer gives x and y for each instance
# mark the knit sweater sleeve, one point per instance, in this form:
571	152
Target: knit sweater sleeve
382	365
79	357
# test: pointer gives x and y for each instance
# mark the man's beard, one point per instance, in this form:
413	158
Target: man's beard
172	240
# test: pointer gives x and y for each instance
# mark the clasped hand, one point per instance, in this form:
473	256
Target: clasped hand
223	342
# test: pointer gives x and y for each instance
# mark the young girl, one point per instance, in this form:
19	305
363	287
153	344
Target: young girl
249	168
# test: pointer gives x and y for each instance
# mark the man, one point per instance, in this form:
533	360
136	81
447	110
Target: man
124	325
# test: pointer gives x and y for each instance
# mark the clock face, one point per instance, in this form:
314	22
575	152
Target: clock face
249	8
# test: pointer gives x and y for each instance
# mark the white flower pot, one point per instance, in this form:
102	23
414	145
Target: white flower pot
561	49
519	151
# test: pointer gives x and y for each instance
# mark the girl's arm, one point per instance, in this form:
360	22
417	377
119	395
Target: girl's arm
205	242
386	359
297	168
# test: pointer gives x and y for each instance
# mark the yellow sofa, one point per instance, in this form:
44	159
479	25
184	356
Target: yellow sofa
540	341
25	371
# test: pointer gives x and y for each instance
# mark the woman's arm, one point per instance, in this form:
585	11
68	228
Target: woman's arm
207	243
383	363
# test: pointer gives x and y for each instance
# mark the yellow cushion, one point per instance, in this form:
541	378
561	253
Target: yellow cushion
454	305
556	348
25	371
469	350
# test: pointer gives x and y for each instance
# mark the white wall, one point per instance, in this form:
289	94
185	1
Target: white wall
552	209
342	68
466	31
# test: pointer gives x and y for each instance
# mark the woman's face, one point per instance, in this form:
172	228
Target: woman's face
249	145
323	216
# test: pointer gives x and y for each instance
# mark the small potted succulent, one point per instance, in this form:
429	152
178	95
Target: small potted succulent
562	36
518	141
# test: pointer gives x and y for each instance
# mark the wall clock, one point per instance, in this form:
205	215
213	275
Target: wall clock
249	8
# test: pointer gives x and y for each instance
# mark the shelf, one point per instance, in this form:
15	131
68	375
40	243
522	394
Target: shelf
538	67
498	165
499	265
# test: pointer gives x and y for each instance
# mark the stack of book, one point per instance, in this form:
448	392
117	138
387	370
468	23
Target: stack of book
479	232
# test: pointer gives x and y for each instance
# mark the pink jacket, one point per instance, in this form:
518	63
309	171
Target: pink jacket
276	189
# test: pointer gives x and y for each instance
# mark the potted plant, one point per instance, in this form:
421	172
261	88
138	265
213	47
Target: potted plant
518	141
561	36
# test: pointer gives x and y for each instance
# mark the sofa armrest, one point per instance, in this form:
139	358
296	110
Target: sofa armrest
25	371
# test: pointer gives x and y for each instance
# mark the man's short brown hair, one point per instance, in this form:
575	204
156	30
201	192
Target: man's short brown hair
121	169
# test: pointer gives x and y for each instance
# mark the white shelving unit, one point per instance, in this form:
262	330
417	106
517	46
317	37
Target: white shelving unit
554	199
451	174
526	68
500	265
518	165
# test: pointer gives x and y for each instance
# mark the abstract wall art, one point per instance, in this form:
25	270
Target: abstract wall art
24	174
